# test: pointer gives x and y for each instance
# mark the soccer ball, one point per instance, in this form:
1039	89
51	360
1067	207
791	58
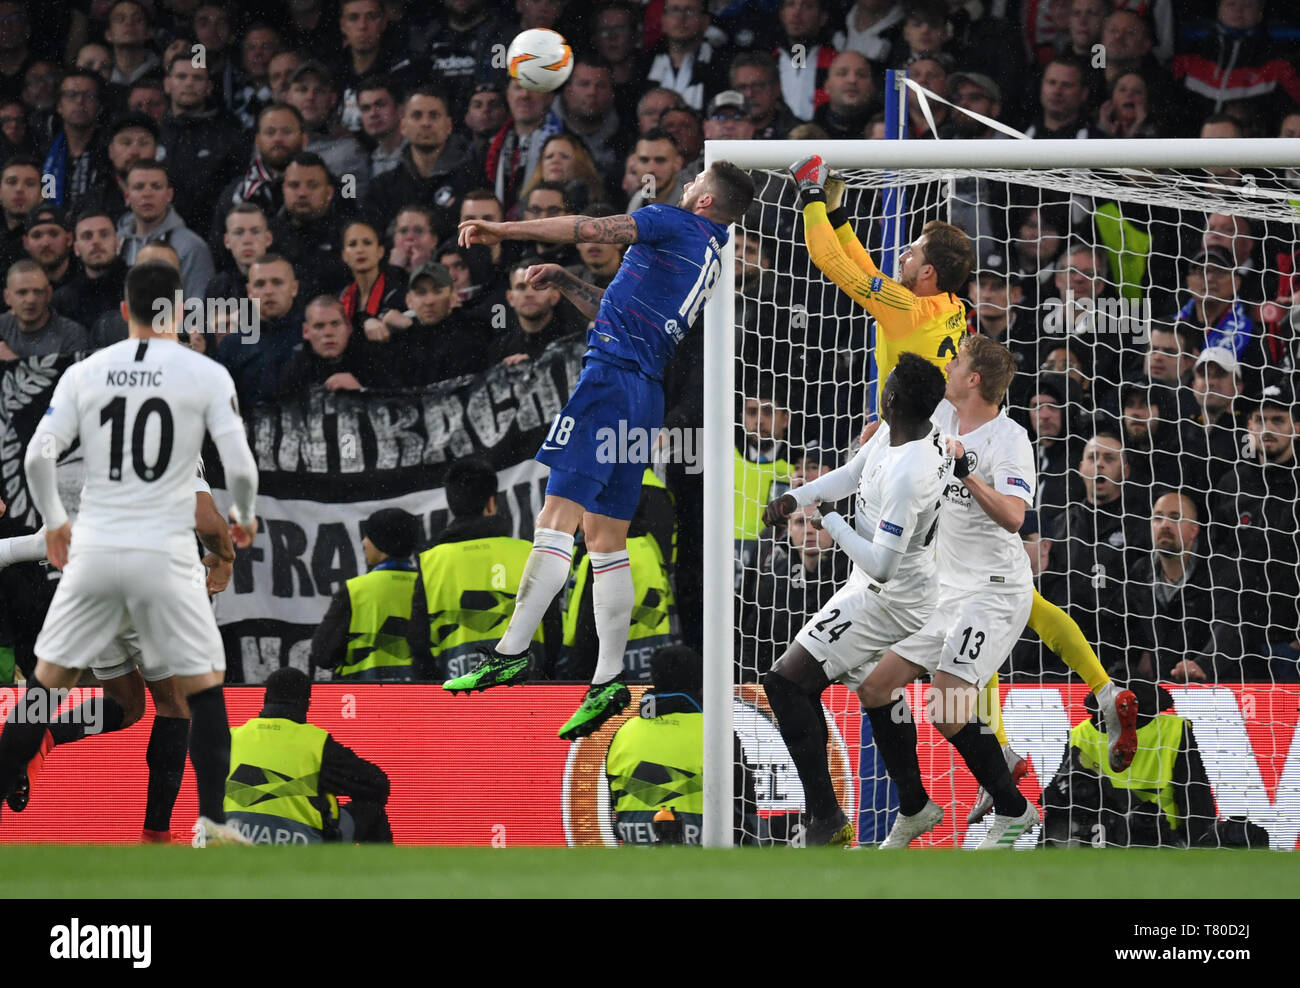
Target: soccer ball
540	59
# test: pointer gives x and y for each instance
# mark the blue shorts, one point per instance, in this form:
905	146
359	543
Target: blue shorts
602	441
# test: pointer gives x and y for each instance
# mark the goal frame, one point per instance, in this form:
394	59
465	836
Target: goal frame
719	360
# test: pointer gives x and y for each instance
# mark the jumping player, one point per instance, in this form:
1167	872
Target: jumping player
655	298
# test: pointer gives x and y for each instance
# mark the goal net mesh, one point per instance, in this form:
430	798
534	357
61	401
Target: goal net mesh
1106	284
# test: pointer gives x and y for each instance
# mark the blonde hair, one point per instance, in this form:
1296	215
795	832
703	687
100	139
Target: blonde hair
993	363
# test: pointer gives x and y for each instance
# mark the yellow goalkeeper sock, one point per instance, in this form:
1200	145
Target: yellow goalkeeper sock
1063	636
990	709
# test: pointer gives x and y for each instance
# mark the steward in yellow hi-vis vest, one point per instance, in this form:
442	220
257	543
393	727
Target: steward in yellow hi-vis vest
1162	798
363	635
762	457
286	776
651	541
466	583
656	760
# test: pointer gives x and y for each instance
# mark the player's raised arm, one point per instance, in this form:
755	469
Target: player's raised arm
584	296
551	230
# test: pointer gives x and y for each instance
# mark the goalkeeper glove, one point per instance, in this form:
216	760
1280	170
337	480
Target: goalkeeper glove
809	175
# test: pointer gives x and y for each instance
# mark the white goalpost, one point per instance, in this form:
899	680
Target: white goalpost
777	329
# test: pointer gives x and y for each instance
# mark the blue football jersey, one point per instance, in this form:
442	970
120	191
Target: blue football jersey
661	287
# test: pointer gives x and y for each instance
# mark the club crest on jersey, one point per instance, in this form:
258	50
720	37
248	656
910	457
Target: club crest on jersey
972	461
890	527
1018	482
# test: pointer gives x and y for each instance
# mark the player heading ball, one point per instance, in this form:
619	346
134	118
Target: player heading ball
655	298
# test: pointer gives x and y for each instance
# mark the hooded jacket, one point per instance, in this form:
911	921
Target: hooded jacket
441	190
196	259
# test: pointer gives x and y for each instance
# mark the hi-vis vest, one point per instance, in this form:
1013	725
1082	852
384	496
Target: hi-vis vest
654	611
1151	776
1127	247
273	792
381	608
657	762
753	491
470	589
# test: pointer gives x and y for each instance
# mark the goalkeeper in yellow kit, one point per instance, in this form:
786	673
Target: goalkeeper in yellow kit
919	313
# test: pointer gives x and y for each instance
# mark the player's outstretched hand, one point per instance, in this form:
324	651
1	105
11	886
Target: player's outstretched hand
1187	671
484	232
543	275
57	541
834	192
779	510
814	518
219	571
242	535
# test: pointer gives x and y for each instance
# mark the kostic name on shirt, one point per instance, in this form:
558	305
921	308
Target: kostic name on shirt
134	379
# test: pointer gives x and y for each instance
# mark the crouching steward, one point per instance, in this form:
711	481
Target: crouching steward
286	776
363	635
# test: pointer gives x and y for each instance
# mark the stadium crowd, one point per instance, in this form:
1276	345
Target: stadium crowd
315	157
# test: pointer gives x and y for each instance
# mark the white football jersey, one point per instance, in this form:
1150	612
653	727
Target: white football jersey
975	552
897	507
140	409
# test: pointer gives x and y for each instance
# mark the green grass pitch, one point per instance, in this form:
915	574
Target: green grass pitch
343	872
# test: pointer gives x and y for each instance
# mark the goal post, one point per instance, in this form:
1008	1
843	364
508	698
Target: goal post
1169	174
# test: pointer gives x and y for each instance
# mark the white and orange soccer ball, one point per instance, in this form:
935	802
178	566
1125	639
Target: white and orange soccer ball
540	59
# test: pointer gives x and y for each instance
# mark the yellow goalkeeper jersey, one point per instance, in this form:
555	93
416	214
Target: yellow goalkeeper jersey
932	326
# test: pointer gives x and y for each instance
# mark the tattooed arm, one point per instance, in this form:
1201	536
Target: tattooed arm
585	298
552	230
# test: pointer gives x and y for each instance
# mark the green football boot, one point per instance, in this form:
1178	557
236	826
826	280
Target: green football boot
493	670
599	705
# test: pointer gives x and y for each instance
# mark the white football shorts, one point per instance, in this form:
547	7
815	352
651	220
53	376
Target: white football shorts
970	634
855	628
123	656
106	593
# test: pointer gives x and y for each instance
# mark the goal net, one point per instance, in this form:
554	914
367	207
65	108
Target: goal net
1148	293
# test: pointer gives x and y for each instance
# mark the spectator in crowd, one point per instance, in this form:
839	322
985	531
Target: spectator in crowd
1037	239
475	552
1213	436
97	286
687	132
308	228
598	263
1127	111
280	136
486	115
20	191
930	71
1237	236
15	136
1082	40
111	327
1256	515
48	243
132	137
31	328
381	121
310	28
148	96
926	28
851	97
801	573
1091	542
278	752
247	239
654	103
586	106
1171	355
434	169
871	29
314	93
729	118
1055	429
260	44
1082	280
205	149
212	31
549	199
362	637
567	163
364	54
77	158
803	61
755	75
683	60
995	311
151	216
516	150
413	237
1222	126
256	362
456	51
1061	110
279	73
1235	61
40	96
96	58
433	339
1215	309
764	462
377	289
616	39
1183	613
480	285
535	320
1152	440
661	170
128	34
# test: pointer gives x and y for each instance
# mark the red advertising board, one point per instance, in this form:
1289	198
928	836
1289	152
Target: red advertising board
489	769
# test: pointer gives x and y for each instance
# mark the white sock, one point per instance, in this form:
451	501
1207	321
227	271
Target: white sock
545	574
612	597
22	549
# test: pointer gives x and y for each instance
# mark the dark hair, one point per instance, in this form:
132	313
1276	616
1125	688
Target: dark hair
1070	61
592	59
86	74
247	207
551	187
150	81
21	161
310	159
148	282
280	108
433	92
733	190
601	208
948	250
918	386
755	60
659	134
93	214
288	686
412	207
148	165
469	483
381	80
677	669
